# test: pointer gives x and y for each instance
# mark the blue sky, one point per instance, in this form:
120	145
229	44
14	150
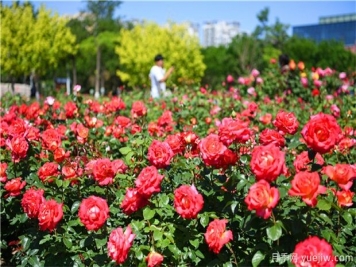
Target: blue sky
294	13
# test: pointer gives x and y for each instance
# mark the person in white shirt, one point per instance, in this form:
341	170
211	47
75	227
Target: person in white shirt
158	77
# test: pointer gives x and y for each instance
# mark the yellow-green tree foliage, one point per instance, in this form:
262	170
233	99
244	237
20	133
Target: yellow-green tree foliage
33	43
139	46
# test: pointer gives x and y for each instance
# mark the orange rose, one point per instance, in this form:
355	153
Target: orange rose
342	174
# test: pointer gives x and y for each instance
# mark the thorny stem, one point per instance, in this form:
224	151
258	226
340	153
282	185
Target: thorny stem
233	253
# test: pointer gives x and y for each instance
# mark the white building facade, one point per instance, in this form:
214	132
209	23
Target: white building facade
219	33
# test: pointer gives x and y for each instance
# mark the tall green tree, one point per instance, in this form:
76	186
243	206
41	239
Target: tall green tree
272	34
104	26
33	41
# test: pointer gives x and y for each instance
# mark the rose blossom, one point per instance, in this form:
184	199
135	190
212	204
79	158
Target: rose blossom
160	154
48	171
154	259
344	198
216	235
335	111
211	150
120	243
138	109
262	198
301	163
103	171
133	201
313	252
307	185
93	212
342	174
322	133
234	130
31	202
149	181
49	215
176	142
270	136
51	139
286	122
3	175
14	186
268	162
187	201
19	147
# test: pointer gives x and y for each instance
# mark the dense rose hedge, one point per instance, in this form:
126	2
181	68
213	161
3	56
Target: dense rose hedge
233	177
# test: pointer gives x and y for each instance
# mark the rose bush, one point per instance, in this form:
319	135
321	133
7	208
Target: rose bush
204	178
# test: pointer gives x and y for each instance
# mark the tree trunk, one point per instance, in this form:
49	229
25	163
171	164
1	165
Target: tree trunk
74	66
97	72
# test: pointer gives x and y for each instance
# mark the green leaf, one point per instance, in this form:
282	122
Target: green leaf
274	232
326	218
199	254
323	205
347	217
67	242
157	235
148	214
125	150
35	261
100	242
75	207
25	241
204	219
195	243
257	258
59	182
233	206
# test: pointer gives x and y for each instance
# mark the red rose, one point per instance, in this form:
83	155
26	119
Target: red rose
267	162
118	166
14	186
103	171
149	181
176	142
313	252
17	128
154	259
120	243
138	109
60	155
3	175
71	110
50	214
187	201
231	130
216	235
51	139
342	174
48	171
212	150
269	136
82	133
301	163
93	212
135	128
133	201
344	198
307	185
123	121
322	133
19	147
160	154
286	122
31	202
266	119
262	198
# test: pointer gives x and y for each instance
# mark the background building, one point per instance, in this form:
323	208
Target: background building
219	33
340	28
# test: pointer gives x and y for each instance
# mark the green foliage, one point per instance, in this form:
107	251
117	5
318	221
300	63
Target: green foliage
33	41
138	47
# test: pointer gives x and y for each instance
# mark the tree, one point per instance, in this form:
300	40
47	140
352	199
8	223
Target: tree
102	20
139	46
275	34
217	66
33	41
245	53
